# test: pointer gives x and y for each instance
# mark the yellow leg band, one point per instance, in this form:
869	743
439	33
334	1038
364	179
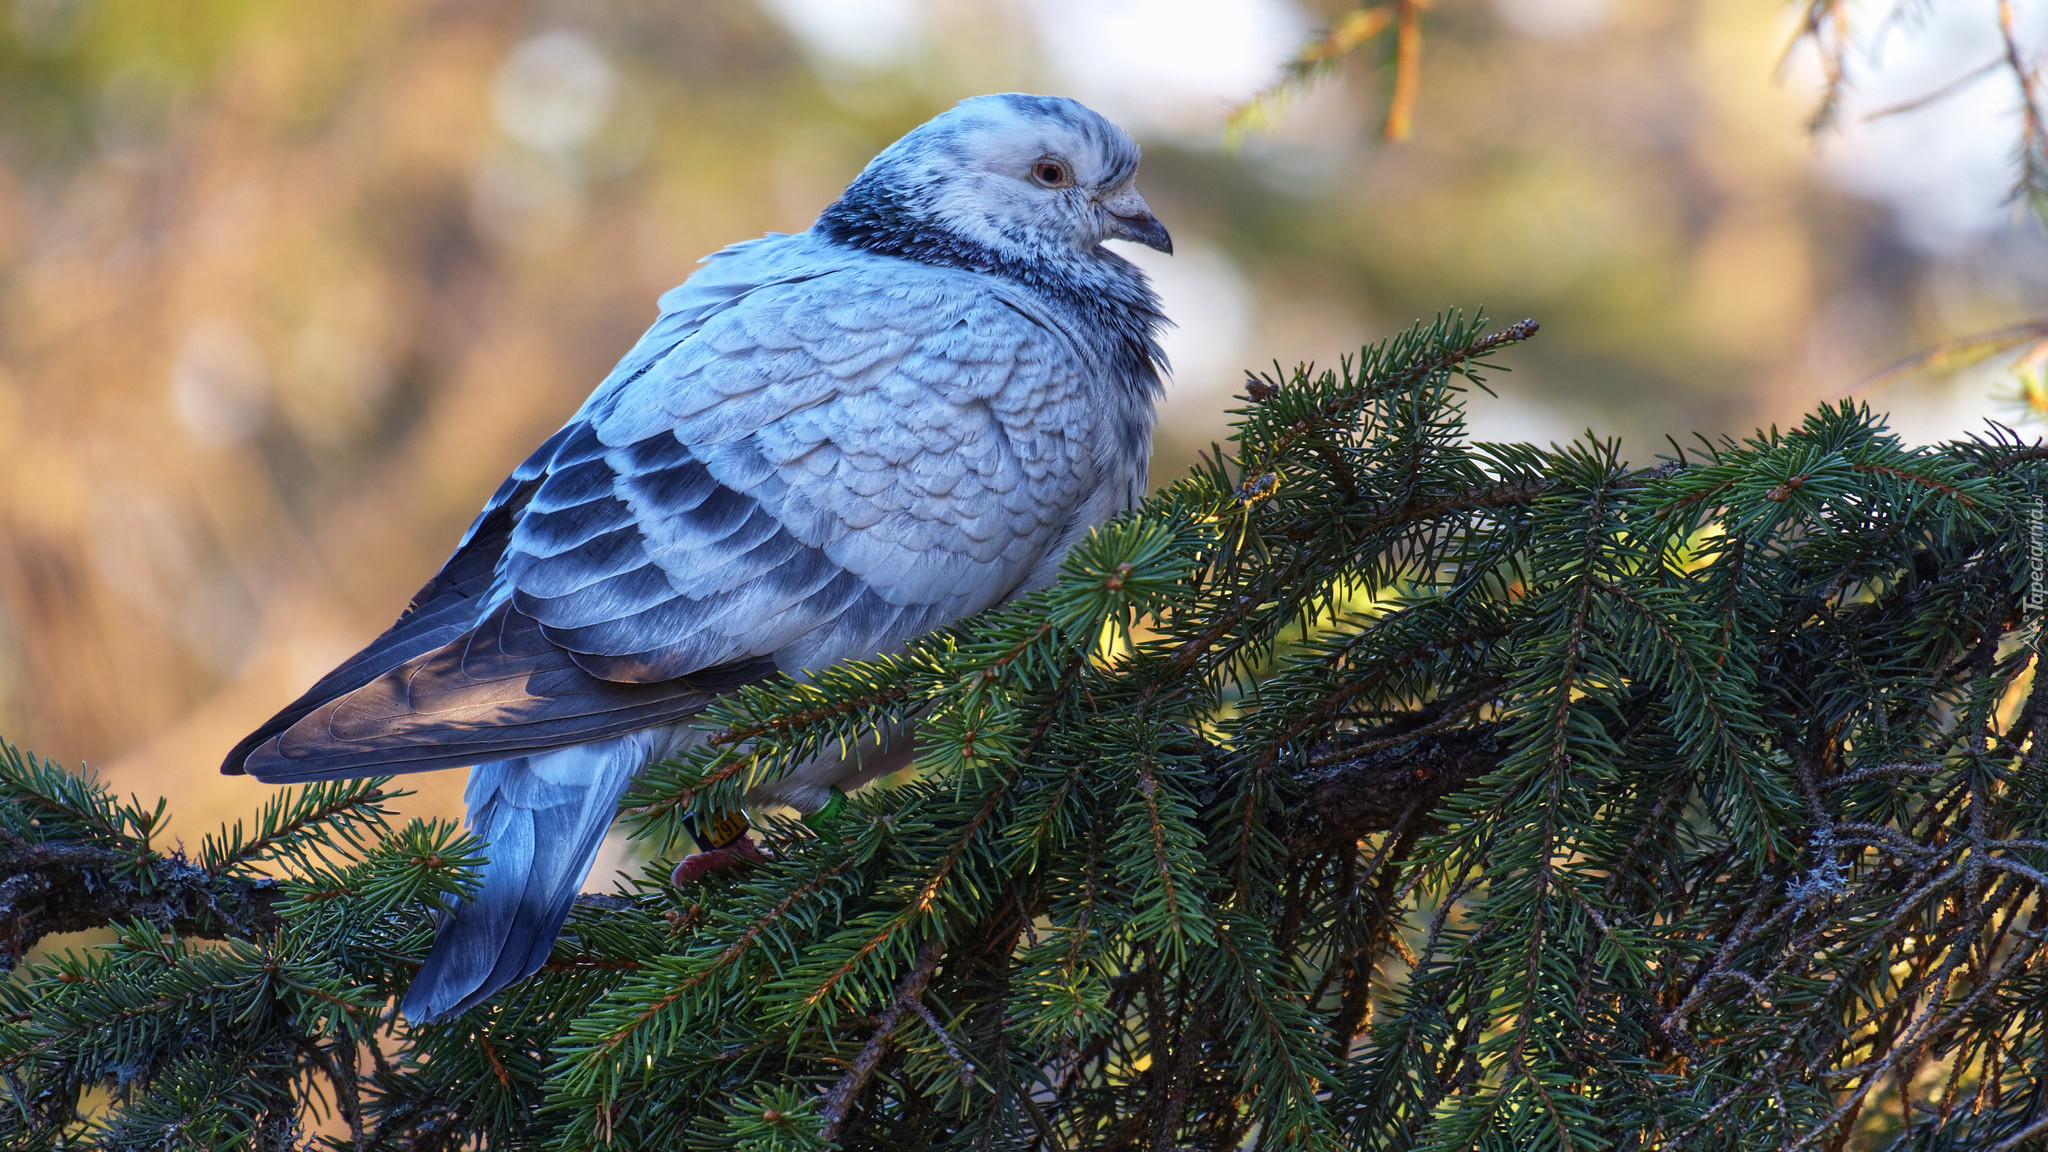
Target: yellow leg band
721	831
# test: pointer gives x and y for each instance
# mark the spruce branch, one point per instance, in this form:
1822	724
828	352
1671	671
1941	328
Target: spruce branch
909	998
52	888
1351	795
1344	403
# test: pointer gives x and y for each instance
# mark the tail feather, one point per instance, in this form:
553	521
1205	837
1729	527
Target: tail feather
542	818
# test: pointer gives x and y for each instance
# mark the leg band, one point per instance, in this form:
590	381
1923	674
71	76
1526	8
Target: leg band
830	813
722	830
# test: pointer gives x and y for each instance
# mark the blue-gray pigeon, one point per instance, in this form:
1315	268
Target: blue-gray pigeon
828	443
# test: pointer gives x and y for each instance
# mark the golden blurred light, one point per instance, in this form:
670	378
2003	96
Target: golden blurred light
1167	65
1552	19
220	383
554	91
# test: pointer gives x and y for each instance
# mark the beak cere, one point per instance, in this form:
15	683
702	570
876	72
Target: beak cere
1130	218
1145	229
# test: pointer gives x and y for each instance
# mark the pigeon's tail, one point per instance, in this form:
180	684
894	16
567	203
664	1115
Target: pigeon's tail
541	818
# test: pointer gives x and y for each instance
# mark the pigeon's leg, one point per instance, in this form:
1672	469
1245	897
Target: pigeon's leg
816	788
730	847
742	852
696	866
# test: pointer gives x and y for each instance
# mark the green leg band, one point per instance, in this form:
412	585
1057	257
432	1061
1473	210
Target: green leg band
830	813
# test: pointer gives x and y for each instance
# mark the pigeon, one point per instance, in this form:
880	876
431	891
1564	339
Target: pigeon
828	444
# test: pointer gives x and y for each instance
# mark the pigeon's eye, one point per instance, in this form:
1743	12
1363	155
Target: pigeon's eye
1050	173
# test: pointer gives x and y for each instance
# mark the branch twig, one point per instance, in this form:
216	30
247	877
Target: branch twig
839	1102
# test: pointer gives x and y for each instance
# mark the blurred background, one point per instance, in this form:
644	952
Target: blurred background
286	289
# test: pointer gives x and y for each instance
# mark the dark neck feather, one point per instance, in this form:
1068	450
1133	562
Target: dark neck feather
1105	288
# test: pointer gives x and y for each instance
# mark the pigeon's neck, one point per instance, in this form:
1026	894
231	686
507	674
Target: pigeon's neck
1107	293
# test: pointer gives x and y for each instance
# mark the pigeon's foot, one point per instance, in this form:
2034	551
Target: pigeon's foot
742	853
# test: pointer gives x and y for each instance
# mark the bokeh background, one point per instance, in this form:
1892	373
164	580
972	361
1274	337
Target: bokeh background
286	289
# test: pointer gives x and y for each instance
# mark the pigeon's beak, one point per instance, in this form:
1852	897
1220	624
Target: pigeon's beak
1130	218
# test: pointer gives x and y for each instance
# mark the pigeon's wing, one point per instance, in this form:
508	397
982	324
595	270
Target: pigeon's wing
822	469
448	606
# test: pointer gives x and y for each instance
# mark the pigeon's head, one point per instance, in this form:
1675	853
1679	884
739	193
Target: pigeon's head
1002	180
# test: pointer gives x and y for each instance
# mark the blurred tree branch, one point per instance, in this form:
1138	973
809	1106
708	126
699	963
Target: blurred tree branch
1345	35
1965	351
1833	29
1830	26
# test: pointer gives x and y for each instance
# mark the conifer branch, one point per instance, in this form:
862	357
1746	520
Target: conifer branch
1345	402
807	717
611	1041
52	888
1351	796
310	817
909	996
